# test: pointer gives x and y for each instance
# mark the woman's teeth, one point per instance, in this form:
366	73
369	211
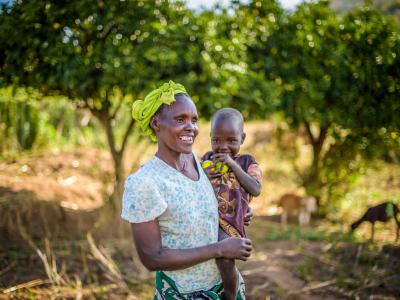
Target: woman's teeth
186	138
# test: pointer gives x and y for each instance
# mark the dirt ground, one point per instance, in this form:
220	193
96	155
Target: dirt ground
58	195
320	268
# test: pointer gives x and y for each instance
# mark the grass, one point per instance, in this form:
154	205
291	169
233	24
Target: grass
357	270
298	233
351	260
84	272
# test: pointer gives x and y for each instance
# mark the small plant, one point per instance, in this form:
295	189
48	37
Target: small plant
26	125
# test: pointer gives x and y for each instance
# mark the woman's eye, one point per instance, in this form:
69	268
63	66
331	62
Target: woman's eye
180	120
194	121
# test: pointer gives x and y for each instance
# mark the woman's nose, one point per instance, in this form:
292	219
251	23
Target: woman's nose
190	126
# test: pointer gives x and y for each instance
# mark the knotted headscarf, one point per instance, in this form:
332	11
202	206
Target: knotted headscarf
144	110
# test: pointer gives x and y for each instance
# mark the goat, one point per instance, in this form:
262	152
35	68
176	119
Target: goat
301	206
383	213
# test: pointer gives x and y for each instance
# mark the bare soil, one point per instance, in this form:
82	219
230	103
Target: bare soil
58	196
321	269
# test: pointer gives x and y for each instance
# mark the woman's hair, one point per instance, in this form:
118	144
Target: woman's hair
153	103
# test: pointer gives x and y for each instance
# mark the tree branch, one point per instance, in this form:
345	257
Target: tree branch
114	114
309	132
102	116
322	136
126	135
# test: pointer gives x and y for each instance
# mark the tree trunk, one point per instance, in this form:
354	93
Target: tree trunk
117	154
312	180
112	209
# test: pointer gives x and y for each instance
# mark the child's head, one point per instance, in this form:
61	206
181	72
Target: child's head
227	131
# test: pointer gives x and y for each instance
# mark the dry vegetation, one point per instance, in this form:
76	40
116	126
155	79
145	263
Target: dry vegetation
52	246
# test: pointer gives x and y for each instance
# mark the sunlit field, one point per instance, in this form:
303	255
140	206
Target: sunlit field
317	84
62	188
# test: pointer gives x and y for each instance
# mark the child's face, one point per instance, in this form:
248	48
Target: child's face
226	136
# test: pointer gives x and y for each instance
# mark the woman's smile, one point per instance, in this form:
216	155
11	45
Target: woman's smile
186	138
177	125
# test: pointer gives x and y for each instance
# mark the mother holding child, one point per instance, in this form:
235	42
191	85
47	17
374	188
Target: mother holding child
172	206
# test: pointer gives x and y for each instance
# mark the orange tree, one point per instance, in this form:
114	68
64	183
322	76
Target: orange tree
338	79
100	54
103	55
224	78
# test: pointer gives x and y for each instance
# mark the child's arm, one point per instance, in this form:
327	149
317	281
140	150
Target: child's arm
249	183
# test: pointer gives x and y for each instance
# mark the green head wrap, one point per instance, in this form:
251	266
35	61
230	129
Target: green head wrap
144	110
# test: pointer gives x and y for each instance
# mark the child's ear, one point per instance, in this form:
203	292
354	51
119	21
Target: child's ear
243	137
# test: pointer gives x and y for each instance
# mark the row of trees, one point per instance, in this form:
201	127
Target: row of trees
336	76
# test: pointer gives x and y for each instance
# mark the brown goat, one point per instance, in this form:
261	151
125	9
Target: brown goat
297	205
383	212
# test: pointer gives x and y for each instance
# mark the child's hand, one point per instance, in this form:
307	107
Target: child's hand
224	158
212	172
248	216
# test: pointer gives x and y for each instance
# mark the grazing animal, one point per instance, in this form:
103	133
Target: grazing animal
297	205
383	212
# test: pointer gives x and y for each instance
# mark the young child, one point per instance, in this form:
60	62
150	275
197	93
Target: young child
236	179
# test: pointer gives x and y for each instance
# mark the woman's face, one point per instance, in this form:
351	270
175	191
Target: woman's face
176	125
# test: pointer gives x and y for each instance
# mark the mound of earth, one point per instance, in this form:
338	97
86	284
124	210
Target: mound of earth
53	194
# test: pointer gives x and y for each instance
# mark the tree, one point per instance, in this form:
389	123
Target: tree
337	79
218	74
101	55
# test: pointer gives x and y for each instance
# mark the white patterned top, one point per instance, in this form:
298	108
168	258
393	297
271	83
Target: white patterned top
187	212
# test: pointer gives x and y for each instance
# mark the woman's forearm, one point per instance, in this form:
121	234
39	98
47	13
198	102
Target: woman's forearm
147	238
176	259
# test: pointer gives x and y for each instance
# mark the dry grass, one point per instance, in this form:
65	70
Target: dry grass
60	265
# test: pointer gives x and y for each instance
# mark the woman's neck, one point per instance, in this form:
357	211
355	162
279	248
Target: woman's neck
176	160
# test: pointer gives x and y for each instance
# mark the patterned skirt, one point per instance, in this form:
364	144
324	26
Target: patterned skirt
167	290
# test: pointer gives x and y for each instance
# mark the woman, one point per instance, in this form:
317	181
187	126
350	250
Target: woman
171	205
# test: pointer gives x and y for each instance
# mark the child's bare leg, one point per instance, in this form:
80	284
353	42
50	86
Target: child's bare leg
228	272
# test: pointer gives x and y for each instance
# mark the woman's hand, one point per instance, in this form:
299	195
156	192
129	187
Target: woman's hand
248	216
235	248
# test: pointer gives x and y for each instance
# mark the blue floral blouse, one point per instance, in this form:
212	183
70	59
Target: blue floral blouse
186	210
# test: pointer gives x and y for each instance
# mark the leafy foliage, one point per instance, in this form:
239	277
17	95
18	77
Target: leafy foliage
337	82
334	77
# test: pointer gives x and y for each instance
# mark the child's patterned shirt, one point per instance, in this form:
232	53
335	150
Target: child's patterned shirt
233	199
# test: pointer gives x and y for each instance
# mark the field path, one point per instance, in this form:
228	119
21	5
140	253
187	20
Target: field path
270	273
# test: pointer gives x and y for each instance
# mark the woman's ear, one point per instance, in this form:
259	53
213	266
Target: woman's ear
243	137
154	124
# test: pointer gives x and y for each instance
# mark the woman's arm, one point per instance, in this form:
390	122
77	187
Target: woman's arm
147	238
